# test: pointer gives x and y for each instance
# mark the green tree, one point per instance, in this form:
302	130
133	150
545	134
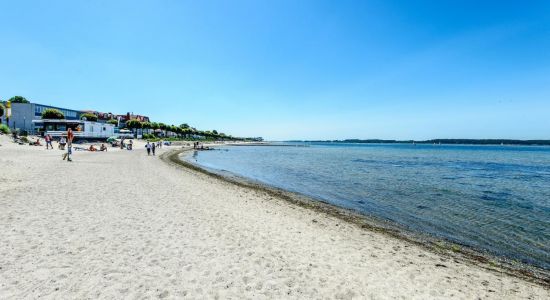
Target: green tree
181	131
186	132
52	113
173	129
184	126
89	117
18	99
146	125
215	132
205	133
154	126
176	130
113	121
134	125
163	127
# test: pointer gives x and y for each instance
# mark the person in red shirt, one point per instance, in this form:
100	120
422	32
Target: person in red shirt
48	138
70	137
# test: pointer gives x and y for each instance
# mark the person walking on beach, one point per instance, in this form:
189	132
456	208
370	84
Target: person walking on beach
51	141
48	139
153	148
148	147
70	137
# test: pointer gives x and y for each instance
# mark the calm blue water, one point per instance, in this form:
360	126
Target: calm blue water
495	198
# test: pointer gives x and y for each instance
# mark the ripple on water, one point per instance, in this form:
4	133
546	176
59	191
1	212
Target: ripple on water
494	198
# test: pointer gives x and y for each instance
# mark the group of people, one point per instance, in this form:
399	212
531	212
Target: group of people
200	146
102	148
128	146
67	141
49	142
151	147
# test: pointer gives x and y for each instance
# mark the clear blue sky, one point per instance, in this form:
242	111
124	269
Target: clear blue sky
290	69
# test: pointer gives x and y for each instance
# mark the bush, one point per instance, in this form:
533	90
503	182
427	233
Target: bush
89	117
4	129
148	136
52	113
113	121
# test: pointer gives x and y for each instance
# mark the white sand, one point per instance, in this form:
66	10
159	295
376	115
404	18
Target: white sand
123	225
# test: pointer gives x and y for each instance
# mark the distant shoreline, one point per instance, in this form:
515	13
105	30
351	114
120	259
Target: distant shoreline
499	142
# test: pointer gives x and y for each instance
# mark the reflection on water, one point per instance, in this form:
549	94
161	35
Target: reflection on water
489	197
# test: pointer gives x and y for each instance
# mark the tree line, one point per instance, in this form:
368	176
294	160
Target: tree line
442	141
181	131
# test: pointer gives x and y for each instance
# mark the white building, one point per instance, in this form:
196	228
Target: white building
81	129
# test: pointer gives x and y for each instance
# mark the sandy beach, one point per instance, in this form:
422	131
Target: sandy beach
122	224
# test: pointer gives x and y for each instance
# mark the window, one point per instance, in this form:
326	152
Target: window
38	110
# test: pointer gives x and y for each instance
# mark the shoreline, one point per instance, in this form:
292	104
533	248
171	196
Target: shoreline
439	246
134	226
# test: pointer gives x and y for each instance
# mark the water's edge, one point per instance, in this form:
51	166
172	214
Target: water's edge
440	246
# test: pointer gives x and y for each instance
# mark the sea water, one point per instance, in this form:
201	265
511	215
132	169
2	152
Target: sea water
493	198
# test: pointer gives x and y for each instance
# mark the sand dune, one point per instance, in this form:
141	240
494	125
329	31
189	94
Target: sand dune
124	225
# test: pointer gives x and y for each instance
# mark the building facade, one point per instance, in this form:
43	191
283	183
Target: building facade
131	116
22	115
